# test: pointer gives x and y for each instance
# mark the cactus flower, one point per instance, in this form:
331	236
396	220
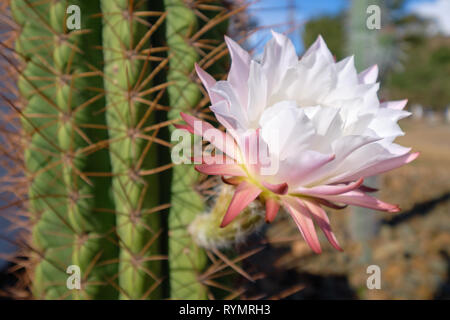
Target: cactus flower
319	123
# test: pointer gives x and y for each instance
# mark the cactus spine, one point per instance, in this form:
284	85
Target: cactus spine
91	132
63	197
186	260
128	111
46	191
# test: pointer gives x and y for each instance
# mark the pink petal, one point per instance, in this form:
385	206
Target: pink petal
244	195
250	149
225	143
272	207
383	166
234	181
330	189
281	188
220	169
330	204
320	216
213	159
364	188
184	127
359	198
198	130
396	105
322	162
303	220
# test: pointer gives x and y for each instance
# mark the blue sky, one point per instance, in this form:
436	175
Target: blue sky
275	13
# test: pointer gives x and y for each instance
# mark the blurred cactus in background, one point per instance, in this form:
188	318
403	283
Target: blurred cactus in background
370	46
91	133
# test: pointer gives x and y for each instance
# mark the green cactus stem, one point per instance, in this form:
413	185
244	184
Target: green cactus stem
133	158
186	259
67	229
96	102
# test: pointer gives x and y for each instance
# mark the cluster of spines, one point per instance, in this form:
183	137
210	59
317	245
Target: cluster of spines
62	149
131	100
90	133
186	260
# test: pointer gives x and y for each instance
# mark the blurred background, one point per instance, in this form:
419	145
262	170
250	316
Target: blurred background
412	248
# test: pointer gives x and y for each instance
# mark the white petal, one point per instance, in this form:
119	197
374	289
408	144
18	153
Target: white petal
286	129
385	123
347	74
365	157
397	104
209	82
319	48
235	109
239	71
257	94
369	75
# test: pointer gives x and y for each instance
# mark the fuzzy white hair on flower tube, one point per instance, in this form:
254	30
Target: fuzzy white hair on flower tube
320	122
